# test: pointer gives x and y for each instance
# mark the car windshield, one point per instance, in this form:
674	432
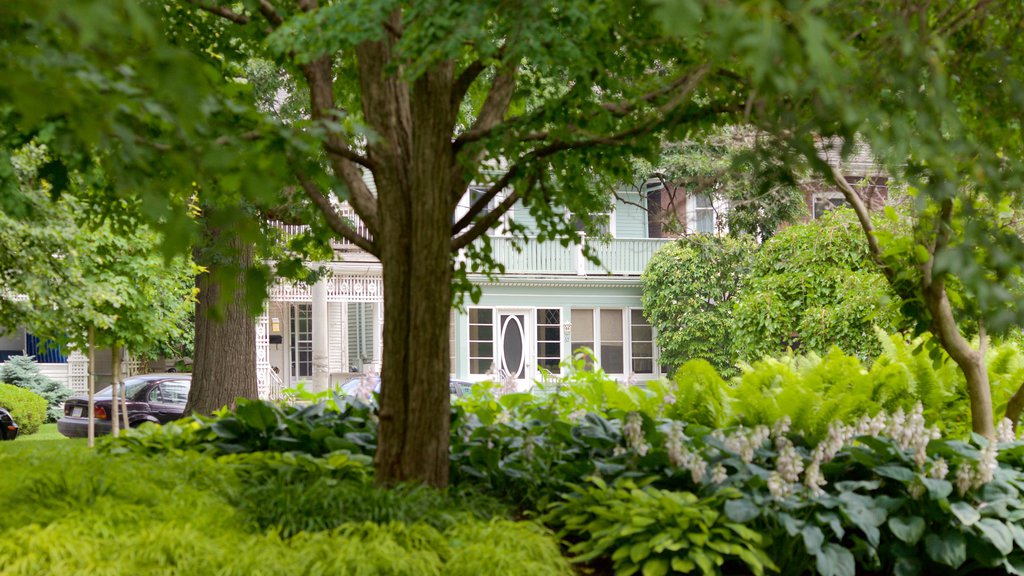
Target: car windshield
131	388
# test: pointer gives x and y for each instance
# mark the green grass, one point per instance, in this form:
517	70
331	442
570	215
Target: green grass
45	432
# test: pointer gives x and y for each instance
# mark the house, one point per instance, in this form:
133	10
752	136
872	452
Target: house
549	301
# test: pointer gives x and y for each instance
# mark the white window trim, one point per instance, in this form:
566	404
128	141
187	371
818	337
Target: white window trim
502	226
691	213
655	371
824	196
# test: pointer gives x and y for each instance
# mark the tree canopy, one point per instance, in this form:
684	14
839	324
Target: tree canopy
545	103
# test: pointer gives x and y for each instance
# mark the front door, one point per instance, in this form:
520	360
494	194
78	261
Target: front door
513	351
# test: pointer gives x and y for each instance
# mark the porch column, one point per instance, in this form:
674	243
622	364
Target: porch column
321	359
378	334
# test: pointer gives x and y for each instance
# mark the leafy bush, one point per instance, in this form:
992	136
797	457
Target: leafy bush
317	429
688	291
27	407
22	371
641	528
811	287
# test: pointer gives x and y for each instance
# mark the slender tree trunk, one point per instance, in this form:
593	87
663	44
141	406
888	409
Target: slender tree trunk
970	361
1014	406
224	362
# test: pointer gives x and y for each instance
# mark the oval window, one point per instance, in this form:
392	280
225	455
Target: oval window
512	353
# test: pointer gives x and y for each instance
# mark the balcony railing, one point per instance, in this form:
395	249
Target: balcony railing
619	257
290	230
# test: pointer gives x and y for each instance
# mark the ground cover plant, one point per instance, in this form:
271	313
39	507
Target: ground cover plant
698	474
69	510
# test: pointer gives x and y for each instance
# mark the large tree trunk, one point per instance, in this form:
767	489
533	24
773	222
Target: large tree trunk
224	362
416	218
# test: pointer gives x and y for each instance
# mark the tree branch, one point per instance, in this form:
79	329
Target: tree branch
318	76
861	210
482	225
481	203
344	152
270	13
222	11
336	222
494	108
465	80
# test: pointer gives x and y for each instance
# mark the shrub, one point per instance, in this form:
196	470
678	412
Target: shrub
317	429
22	371
688	291
27	408
641	528
811	287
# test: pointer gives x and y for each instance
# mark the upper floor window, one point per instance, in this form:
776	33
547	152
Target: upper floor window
822	202
703	214
474	194
603	222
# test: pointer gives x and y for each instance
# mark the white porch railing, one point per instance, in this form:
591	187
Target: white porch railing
619	256
290	230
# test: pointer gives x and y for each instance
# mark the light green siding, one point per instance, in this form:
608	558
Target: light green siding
630	215
522	215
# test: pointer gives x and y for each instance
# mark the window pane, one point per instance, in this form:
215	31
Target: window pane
549	316
481	332
549	364
702	201
643	366
549	333
611	358
576	345
643	333
611	325
705	222
548	349
479	365
582	324
481	350
481	316
643	350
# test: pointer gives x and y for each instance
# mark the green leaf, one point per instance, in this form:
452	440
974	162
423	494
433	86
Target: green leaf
741	510
937	489
901	473
907	566
948	549
834	560
908	529
655	567
997	533
966	513
813	539
639	551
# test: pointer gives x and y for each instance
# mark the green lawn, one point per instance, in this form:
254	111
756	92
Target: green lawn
45	432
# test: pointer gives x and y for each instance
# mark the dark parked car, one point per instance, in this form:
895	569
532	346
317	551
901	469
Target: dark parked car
151	398
8	427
